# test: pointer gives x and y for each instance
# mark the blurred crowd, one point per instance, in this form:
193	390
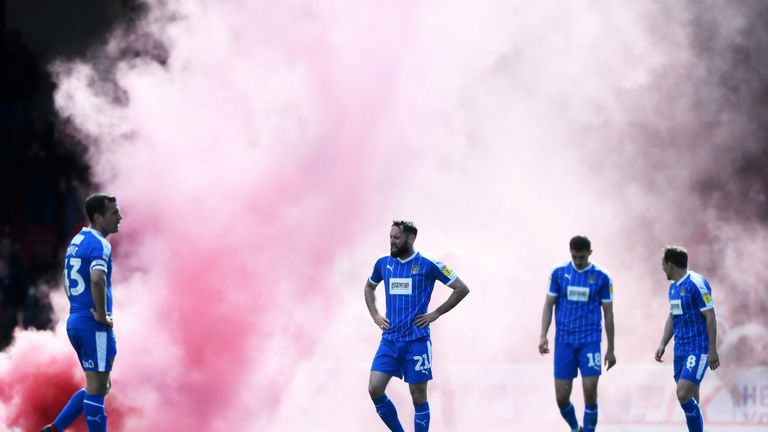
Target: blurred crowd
43	178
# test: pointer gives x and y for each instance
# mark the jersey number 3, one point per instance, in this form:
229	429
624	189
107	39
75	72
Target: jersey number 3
73	282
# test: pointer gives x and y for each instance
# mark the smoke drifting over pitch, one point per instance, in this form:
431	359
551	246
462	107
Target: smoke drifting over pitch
259	152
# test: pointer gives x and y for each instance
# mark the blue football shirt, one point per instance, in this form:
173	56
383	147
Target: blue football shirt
87	251
408	285
688	297
580	294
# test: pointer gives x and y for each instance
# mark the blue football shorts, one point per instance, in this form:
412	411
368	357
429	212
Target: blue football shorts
572	358
96	349
691	366
409	360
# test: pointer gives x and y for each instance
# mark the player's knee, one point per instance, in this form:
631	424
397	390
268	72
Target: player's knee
97	389
590	397
418	394
97	384
563	397
375	391
684	394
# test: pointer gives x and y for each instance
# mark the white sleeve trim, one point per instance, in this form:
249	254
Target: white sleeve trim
551	294
707	308
371	281
99	265
607	301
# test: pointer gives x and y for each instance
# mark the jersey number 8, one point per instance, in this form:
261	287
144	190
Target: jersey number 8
691	362
72	277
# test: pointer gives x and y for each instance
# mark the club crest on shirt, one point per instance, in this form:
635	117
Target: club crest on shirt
591	279
682	290
414	269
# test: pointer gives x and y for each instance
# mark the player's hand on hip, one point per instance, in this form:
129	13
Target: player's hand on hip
714	359
660	354
381	322
609	360
102	318
424	319
543	345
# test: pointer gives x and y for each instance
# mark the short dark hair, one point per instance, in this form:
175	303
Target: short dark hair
580	243
407	226
676	255
97	203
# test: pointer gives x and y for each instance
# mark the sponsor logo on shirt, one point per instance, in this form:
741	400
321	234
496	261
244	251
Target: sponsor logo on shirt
580	294
400	286
675	308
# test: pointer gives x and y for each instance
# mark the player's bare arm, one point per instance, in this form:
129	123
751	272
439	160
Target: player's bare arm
99	293
610	357
546	321
370	301
665	338
712	356
460	290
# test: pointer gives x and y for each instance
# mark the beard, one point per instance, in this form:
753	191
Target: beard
398	250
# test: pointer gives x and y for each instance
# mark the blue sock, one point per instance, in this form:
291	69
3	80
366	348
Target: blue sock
71	411
569	414
388	413
95	414
590	418
421	419
693	416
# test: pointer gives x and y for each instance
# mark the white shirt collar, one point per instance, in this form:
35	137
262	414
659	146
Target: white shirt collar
407	259
589	267
96	232
683	278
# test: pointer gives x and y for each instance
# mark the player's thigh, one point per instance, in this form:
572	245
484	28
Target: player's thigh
387	360
566	364
691	367
417	361
589	358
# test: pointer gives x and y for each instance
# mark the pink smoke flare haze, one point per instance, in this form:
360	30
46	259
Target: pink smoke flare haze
258	170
